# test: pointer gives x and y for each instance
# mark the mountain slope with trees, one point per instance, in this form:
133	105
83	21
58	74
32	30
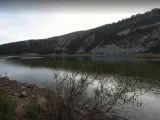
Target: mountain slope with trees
140	33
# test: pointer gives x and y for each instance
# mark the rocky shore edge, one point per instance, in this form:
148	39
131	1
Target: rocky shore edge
20	90
25	93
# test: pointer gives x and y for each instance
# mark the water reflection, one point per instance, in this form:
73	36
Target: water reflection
146	69
140	79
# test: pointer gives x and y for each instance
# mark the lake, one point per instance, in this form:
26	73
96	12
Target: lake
143	76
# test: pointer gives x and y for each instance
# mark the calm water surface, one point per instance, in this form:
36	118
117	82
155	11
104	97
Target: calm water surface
146	73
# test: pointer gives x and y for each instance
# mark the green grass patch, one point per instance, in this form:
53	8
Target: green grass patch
7	107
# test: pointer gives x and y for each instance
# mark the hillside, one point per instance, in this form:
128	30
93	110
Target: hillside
140	33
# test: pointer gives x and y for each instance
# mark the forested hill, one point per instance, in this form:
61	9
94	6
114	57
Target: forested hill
140	33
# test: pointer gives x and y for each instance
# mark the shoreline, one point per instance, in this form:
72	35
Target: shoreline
87	54
5	82
25	94
143	56
21	90
148	56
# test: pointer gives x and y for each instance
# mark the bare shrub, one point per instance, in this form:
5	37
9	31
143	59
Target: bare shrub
68	97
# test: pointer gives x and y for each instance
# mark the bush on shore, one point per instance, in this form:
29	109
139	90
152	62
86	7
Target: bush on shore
67	98
7	107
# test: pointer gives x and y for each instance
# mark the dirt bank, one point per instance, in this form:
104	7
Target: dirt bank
21	90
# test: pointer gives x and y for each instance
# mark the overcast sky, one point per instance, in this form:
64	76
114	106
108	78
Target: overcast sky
23	21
